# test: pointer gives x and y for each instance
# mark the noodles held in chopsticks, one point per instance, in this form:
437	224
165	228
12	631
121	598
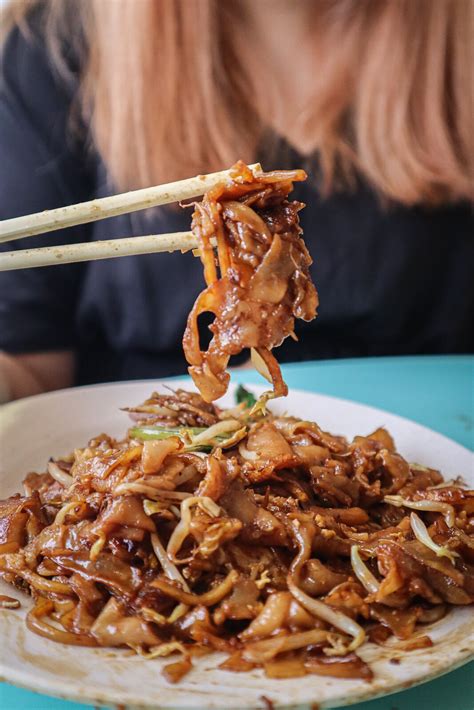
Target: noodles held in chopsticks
261	282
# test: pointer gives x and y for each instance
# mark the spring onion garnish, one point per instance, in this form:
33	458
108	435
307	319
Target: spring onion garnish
159	432
243	396
224	434
362	572
215	434
421	533
427	506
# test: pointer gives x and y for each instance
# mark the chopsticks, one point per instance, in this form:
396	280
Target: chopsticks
94	210
91	251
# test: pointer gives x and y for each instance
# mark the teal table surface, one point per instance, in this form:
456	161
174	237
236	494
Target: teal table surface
437	391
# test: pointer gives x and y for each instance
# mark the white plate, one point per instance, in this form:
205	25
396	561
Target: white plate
34	429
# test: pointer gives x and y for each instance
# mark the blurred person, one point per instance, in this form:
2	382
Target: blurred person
373	97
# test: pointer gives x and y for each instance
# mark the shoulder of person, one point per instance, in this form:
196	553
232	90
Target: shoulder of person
35	56
40	72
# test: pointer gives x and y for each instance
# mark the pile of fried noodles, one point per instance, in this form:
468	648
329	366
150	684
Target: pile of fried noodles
238	531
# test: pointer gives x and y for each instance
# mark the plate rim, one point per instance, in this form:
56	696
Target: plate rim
71	692
67	689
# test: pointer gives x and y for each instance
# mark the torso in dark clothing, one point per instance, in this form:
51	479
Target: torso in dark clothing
391	280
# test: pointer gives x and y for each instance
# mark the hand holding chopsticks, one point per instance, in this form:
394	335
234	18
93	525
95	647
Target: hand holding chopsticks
94	210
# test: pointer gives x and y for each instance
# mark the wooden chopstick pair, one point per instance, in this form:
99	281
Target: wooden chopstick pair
94	210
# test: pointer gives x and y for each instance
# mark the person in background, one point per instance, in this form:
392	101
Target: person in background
373	97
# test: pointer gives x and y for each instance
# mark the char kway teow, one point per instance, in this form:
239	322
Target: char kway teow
237	530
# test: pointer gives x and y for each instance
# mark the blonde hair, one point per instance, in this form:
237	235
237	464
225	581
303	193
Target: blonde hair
166	96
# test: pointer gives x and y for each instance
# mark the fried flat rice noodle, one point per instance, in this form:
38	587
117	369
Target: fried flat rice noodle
263	284
285	550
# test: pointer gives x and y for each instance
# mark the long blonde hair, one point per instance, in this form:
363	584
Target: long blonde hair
166	97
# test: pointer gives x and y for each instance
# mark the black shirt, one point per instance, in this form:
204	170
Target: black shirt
391	280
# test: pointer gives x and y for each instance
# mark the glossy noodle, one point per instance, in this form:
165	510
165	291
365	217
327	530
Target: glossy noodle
289	560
